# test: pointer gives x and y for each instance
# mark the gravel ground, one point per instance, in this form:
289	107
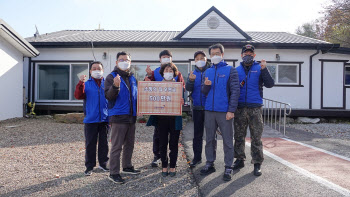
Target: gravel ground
334	130
40	157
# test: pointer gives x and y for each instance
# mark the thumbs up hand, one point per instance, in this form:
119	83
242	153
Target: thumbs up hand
192	77
207	82
116	81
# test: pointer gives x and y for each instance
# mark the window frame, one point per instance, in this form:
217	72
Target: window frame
346	65
70	94
281	63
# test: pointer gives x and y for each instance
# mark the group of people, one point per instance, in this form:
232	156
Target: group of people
220	94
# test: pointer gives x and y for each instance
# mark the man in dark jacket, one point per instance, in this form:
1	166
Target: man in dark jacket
121	93
221	85
252	77
193	85
96	117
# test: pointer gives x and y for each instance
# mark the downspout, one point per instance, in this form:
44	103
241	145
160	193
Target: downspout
310	77
29	80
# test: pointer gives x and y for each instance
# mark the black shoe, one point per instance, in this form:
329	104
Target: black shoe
103	168
131	170
116	178
257	170
164	174
194	163
207	169
227	174
88	171
239	163
155	162
172	174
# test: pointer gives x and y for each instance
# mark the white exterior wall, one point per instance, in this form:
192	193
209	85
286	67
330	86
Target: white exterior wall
11	80
298	97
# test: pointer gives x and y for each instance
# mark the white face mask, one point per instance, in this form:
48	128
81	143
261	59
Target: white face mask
168	76
216	59
124	65
165	60
200	63
97	74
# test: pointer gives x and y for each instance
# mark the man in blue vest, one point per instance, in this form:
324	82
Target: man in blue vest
121	93
252	77
193	85
221	85
165	57
96	117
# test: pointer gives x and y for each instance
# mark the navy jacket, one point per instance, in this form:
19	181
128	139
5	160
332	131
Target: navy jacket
252	79
95	103
197	96
223	93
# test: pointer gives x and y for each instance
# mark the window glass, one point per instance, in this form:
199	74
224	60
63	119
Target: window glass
287	73
53	83
347	75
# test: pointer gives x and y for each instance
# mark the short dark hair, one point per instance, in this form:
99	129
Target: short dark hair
123	53
199	52
95	62
216	46
165	52
172	66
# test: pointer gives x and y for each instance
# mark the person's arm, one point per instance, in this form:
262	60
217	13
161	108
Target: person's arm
267	78
189	84
234	90
79	92
206	85
150	78
111	91
181	79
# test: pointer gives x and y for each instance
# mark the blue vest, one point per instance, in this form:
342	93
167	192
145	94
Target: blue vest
197	95
95	103
121	106
218	98
250	93
158	76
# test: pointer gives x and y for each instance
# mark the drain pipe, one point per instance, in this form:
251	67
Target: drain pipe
310	77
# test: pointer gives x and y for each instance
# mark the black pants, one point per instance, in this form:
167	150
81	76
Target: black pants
198	122
166	127
94	132
156	151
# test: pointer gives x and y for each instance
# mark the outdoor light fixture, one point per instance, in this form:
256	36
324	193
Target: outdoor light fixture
104	56
278	57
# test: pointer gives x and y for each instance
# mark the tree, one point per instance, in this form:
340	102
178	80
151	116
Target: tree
310	29
337	22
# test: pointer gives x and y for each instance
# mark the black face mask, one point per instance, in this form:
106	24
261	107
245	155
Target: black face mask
248	60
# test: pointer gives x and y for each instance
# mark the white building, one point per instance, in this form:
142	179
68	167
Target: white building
12	50
312	75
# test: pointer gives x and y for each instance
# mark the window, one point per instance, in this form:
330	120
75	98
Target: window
57	81
347	75
285	74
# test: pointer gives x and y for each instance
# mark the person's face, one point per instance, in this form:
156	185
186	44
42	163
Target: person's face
96	67
168	70
165	56
248	52
217	52
123	58
200	57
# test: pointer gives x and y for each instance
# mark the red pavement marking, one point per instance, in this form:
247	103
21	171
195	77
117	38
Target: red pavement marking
329	167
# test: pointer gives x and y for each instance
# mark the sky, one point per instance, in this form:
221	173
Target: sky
167	15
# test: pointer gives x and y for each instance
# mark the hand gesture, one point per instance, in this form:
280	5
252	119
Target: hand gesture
229	115
147	79
263	64
116	81
207	82
148	70
82	78
192	77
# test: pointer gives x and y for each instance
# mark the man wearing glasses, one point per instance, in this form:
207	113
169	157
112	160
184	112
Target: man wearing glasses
121	93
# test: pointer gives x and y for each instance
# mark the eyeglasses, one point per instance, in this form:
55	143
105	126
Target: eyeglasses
122	60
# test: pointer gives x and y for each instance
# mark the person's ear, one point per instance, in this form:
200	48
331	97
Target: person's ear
90	72
241	54
160	59
254	55
222	55
116	62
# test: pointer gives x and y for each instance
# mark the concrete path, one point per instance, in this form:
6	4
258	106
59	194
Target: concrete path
292	167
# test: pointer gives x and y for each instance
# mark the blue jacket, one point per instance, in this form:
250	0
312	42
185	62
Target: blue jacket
252	79
223	93
158	76
198	97
95	103
121	106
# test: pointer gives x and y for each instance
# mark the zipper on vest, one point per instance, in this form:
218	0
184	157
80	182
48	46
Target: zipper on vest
214	88
130	103
99	107
200	92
